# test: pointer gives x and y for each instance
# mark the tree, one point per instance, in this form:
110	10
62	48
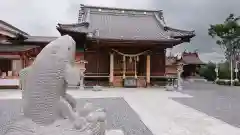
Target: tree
228	36
208	71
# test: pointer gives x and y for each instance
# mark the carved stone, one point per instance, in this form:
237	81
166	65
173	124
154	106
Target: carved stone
47	108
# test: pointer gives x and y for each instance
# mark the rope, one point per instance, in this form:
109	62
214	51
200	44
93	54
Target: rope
130	55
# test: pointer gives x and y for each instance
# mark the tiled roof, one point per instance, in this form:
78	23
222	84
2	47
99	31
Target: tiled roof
12	28
42	39
15	48
191	58
177	33
78	27
126	24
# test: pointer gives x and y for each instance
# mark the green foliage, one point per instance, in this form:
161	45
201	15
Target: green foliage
208	71
227	35
224	71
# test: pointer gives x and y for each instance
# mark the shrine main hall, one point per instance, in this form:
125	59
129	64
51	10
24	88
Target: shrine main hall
122	47
123	44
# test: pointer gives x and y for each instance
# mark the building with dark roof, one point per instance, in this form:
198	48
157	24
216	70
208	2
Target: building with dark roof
18	48
9	30
191	62
123	44
123	47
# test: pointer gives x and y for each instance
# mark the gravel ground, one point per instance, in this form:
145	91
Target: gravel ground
119	114
221	102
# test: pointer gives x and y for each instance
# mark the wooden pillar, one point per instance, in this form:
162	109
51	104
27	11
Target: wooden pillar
135	67
124	67
148	70
22	57
27	61
111	69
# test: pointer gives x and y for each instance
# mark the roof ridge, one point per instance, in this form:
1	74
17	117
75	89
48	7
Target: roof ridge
121	14
10	25
160	19
178	30
84	23
114	8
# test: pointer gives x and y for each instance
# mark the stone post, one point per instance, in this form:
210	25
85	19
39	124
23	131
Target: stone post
82	70
236	71
180	70
82	73
231	69
148	70
216	70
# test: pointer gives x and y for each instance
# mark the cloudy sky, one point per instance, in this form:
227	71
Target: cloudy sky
40	17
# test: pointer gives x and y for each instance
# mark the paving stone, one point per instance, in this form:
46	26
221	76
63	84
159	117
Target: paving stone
221	102
119	114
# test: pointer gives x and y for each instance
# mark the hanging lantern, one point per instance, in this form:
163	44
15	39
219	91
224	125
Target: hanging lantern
130	59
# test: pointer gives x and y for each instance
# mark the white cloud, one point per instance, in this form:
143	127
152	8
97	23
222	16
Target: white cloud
40	17
105	3
212	57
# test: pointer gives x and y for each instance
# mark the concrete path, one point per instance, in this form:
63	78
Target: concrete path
155	107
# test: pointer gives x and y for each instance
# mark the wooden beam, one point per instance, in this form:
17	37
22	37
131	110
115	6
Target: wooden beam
128	44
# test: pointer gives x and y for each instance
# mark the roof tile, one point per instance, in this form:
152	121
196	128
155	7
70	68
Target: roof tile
126	24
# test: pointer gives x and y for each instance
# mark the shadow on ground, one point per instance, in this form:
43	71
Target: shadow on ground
221	102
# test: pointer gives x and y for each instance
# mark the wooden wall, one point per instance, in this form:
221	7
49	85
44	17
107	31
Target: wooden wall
91	58
98	62
158	62
142	65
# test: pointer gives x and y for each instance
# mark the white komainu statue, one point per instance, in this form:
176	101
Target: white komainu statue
47	108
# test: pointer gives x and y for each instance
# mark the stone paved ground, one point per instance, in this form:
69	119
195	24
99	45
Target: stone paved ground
120	115
164	112
221	102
